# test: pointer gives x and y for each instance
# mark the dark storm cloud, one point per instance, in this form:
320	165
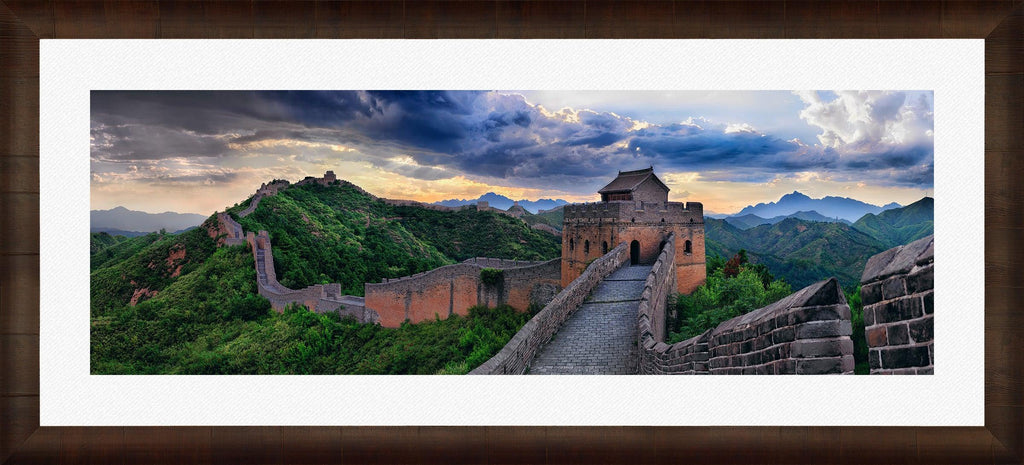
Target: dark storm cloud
475	133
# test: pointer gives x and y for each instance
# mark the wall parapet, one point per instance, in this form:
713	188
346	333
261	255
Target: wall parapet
897	289
515	357
453	289
807	332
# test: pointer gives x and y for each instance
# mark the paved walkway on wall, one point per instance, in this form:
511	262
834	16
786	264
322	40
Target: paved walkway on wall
600	338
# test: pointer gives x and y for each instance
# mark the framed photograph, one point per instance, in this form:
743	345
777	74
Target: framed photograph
69	401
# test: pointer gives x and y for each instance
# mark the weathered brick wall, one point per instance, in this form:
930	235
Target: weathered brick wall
647	223
807	332
898	296
514	358
453	289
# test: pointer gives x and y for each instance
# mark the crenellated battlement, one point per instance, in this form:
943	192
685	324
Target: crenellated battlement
636	212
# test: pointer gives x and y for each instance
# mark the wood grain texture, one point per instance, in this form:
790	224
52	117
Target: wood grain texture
158	445
19	294
22	22
549	19
115	19
1004	99
36	15
921	19
836	20
206	19
739	19
961	19
19	47
19	361
19	174
284	19
364	20
1005	47
451	20
19	117
608	19
21	419
19	225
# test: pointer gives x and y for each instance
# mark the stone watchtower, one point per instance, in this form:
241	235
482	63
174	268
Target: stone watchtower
634	209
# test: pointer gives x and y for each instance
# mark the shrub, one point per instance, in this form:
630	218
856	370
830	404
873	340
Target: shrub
491	276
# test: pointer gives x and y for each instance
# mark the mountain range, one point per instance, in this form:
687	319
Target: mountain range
804	251
831	207
750	220
503	203
122	221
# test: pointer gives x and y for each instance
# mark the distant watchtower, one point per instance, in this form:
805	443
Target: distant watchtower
634	209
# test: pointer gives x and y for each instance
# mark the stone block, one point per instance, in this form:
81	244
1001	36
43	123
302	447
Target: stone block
894	287
869	315
819	313
921	330
928	302
897	334
899	310
819	329
819	366
874	360
921	280
821	348
871	293
903	357
848	364
926	371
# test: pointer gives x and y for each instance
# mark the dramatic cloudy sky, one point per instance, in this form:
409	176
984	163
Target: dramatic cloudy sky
202	151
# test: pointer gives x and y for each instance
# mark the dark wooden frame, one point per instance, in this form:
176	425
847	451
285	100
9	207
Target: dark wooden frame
23	22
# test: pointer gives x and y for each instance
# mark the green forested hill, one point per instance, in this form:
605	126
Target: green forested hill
468	233
901	225
145	265
552	218
339	234
105	248
802	252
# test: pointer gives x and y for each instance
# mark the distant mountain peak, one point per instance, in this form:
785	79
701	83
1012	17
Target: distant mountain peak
830	207
502	202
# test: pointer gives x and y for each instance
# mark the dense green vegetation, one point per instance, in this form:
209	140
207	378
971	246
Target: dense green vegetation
107	249
152	266
552	218
802	252
901	225
860	343
212	322
201	313
468	233
733	288
339	234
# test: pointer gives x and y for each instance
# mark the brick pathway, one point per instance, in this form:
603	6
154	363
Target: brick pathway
600	338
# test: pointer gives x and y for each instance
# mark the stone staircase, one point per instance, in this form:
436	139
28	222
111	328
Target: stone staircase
600	338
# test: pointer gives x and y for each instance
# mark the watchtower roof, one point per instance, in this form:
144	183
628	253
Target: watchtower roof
628	181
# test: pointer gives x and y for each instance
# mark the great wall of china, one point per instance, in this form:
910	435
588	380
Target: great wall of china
452	288
807	332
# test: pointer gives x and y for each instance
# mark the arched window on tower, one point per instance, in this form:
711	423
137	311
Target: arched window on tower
604	247
586	247
572	245
687	248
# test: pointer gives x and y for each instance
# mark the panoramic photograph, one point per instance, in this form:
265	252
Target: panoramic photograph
517	232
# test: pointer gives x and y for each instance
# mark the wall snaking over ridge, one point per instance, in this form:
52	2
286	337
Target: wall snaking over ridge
897	289
514	358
